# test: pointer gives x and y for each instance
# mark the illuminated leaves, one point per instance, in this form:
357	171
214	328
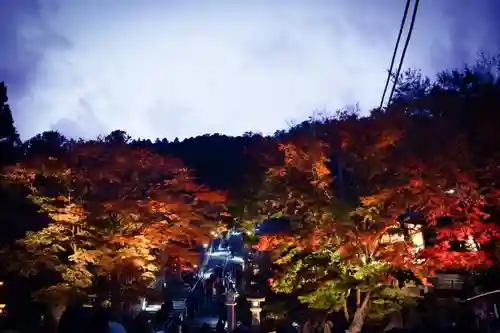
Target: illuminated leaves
115	212
298	186
271	243
336	249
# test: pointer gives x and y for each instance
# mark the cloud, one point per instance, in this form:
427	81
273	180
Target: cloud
84	125
183	68
25	36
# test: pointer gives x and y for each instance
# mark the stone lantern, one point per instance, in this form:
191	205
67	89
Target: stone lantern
255	309
231	297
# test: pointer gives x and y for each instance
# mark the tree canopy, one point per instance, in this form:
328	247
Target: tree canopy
117	213
412	171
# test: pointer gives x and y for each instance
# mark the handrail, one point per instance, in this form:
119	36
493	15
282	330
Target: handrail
480	295
168	323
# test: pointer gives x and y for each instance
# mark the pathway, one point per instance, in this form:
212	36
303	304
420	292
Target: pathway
210	312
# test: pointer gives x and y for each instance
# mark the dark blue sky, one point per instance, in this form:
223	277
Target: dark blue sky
182	68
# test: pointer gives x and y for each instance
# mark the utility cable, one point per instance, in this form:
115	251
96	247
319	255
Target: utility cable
403	20
408	37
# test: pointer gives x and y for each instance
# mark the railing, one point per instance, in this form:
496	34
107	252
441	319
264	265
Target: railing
481	295
172	320
228	283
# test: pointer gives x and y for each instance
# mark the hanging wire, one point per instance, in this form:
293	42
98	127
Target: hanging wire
408	37
403	21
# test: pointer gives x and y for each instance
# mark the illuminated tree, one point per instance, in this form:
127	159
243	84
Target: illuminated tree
117	214
350	258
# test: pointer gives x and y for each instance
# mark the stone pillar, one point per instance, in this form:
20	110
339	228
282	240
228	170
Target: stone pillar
230	304
255	309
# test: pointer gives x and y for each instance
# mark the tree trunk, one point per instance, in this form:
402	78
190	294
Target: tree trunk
347	315
359	316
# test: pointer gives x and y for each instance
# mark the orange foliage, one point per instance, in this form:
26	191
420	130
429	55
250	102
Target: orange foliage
399	180
271	243
126	192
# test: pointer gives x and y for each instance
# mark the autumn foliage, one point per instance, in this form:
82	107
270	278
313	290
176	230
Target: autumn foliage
341	246
118	214
377	205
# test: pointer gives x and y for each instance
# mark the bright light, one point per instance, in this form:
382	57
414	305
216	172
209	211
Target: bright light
255	304
237	259
195	266
152	308
205	245
224	253
1	283
450	191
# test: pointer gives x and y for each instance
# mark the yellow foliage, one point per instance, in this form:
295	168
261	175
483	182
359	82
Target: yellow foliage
113	210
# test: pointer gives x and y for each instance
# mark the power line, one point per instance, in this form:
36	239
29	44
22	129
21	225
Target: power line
408	37
403	20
